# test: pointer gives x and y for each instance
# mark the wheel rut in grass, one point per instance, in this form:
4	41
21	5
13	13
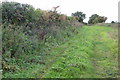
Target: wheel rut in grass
90	54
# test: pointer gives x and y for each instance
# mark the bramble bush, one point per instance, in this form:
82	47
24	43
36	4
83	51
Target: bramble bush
27	33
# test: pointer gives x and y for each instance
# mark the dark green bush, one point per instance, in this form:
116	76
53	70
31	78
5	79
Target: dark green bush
28	33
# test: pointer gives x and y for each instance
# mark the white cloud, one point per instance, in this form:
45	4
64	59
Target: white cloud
108	8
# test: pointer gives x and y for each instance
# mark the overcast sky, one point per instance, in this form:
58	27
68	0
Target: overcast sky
108	8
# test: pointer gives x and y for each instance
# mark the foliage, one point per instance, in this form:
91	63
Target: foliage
34	39
96	19
77	58
15	13
28	33
80	16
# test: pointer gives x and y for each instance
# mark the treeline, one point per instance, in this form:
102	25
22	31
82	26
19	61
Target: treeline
21	14
24	14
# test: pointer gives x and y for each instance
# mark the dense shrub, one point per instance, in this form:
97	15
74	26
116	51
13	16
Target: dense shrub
30	32
96	19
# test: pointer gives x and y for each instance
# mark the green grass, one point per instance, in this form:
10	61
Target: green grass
92	53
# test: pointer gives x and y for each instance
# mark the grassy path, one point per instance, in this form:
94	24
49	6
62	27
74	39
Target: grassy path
91	53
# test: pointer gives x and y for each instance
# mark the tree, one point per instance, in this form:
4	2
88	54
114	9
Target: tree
96	19
92	18
16	13
112	21
80	16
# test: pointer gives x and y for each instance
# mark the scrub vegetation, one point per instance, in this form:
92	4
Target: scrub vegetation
46	44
